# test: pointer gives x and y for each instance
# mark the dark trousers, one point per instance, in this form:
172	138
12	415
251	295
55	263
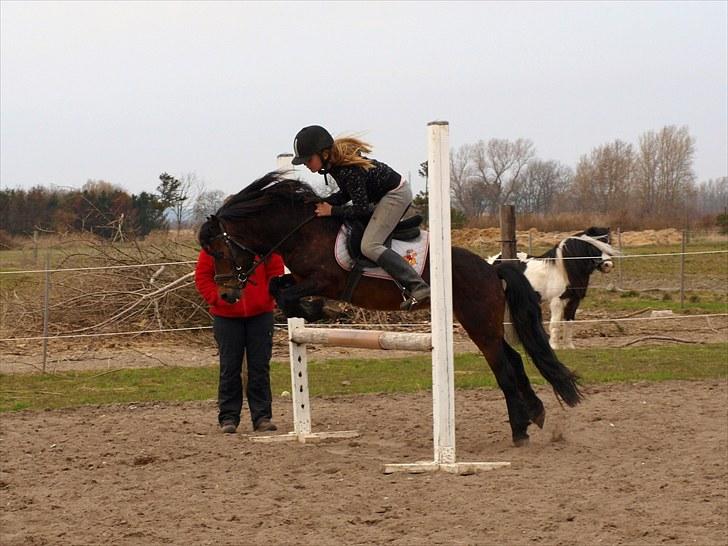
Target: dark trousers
235	337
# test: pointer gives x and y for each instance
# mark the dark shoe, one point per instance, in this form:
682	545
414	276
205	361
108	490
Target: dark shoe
264	425
417	290
228	427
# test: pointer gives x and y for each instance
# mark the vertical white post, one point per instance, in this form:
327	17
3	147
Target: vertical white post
443	383
299	381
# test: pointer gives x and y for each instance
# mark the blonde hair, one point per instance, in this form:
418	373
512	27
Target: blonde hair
349	151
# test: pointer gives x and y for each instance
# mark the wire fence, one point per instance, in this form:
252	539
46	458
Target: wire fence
179	279
192	262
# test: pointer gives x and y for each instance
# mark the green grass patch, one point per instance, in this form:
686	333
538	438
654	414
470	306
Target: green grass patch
696	301
340	377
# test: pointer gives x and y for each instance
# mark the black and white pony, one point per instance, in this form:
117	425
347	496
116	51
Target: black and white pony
561	276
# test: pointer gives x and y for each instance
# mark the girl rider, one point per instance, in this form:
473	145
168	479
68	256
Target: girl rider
362	181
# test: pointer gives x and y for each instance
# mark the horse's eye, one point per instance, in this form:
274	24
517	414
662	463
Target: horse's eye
216	255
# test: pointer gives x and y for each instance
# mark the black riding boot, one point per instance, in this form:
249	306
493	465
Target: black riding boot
417	289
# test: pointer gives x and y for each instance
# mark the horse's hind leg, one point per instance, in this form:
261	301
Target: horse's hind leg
536	411
479	304
517	410
509	381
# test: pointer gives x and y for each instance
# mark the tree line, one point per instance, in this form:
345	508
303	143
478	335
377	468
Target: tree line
105	209
647	184
652	181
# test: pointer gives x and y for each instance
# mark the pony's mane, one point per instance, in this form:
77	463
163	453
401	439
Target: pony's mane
597	237
268	190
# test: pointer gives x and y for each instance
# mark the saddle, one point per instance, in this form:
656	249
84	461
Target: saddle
407	229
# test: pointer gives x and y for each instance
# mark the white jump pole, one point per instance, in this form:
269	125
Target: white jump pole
443	368
440	342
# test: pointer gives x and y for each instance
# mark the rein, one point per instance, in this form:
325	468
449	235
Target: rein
244	276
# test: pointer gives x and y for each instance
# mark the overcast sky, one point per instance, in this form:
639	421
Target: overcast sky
122	91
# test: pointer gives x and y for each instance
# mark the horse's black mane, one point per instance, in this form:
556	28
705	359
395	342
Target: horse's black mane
599	233
270	189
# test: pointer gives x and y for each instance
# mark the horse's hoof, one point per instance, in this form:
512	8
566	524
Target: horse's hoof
539	419
521	442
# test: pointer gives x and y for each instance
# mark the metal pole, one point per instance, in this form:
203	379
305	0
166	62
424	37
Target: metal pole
619	261
35	246
682	270
46	305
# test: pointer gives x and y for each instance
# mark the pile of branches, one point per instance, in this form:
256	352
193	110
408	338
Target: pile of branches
98	287
101	287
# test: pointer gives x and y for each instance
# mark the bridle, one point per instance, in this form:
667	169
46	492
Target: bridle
243	276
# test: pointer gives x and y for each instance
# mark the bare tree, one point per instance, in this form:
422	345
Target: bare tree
544	183
207	203
459	184
712	196
603	179
664	169
179	194
498	166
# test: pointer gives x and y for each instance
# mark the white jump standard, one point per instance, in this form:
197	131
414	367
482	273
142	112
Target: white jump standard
440	342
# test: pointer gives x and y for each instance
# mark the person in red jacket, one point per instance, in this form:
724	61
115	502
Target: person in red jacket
245	326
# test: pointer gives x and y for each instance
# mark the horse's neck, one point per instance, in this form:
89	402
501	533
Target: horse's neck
310	246
579	270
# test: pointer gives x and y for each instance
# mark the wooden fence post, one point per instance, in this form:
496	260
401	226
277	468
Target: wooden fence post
508	252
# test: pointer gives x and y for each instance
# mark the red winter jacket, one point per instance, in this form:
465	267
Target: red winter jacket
255	298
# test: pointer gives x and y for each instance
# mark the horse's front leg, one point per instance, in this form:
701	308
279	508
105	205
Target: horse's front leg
288	293
570	314
556	305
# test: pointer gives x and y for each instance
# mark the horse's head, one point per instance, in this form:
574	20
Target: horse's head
602	235
234	262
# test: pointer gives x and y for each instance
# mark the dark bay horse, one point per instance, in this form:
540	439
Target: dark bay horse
275	214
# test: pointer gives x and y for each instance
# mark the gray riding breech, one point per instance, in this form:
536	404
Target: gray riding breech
387	214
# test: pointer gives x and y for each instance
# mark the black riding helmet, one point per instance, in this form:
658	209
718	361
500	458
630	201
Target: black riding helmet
309	141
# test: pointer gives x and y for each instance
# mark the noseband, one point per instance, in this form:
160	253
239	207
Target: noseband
238	274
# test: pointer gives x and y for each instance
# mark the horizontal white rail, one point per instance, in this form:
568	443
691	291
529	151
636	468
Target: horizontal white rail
363	339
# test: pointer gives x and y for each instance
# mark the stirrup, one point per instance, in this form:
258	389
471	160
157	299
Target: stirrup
409	303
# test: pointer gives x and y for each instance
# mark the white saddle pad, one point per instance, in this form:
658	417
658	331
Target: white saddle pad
414	251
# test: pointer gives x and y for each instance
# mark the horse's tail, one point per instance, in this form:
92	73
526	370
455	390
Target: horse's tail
523	302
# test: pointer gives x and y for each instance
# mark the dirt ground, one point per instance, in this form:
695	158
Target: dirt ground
634	464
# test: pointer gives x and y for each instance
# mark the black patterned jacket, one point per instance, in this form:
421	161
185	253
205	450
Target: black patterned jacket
361	187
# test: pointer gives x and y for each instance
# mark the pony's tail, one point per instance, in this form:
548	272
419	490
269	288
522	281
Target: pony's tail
523	302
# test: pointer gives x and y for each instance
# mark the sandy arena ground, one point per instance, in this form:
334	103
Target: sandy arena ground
634	464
